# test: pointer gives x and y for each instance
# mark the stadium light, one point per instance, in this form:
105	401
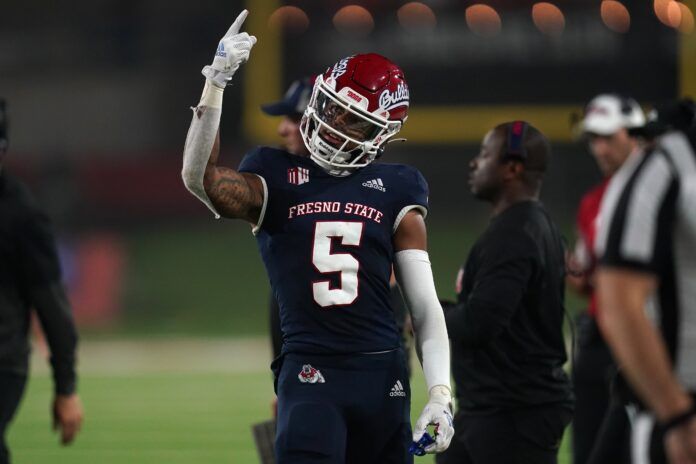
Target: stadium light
615	16
686	25
483	20
668	12
416	16
674	14
289	18
354	20
548	18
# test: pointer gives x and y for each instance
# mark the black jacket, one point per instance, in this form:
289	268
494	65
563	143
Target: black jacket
506	329
30	277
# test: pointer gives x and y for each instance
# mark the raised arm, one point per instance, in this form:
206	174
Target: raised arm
225	191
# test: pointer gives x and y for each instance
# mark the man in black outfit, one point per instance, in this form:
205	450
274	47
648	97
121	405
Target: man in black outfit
508	351
30	278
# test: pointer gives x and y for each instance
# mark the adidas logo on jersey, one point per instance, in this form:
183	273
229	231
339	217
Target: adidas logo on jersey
375	184
397	390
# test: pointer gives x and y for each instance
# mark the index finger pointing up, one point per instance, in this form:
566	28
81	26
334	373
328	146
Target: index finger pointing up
237	24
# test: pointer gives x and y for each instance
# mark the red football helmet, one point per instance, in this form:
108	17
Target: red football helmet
357	105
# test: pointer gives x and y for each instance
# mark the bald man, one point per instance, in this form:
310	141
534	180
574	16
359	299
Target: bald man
508	352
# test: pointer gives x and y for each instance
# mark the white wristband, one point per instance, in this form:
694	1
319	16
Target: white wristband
212	95
441	394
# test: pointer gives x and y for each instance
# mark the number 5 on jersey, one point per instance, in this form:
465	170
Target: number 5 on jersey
326	262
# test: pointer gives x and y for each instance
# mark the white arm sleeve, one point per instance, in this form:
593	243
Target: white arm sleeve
415	278
200	140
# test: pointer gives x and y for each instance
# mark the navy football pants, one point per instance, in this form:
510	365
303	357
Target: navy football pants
359	414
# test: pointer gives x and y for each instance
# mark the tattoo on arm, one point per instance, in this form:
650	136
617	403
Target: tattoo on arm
234	194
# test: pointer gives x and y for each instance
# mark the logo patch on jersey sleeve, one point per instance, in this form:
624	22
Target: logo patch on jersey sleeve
298	176
309	374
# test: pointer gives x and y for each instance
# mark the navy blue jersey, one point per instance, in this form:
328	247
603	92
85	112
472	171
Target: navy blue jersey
327	246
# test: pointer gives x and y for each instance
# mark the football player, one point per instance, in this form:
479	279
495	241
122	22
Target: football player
329	228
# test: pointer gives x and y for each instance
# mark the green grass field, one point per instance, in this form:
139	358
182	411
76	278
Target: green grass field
174	401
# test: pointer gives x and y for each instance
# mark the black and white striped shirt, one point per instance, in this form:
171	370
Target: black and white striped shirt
647	223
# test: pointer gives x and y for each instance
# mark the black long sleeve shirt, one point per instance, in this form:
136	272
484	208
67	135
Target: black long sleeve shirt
30	277
506	328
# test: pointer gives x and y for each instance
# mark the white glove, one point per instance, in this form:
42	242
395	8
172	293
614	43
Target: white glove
437	412
233	50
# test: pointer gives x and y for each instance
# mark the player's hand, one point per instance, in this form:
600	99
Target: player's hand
437	412
67	416
234	49
680	443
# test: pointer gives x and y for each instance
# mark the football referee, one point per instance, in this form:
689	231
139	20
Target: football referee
508	351
647	286
30	278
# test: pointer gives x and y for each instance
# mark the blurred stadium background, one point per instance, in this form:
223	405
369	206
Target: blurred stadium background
171	304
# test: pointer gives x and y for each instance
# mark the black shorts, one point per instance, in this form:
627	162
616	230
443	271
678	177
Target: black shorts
343	409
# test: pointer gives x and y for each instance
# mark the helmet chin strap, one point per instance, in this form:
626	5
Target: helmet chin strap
369	146
331	170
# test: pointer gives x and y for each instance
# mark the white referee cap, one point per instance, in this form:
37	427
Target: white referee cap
606	114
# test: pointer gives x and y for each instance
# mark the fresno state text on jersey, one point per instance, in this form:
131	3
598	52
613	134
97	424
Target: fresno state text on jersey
316	207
